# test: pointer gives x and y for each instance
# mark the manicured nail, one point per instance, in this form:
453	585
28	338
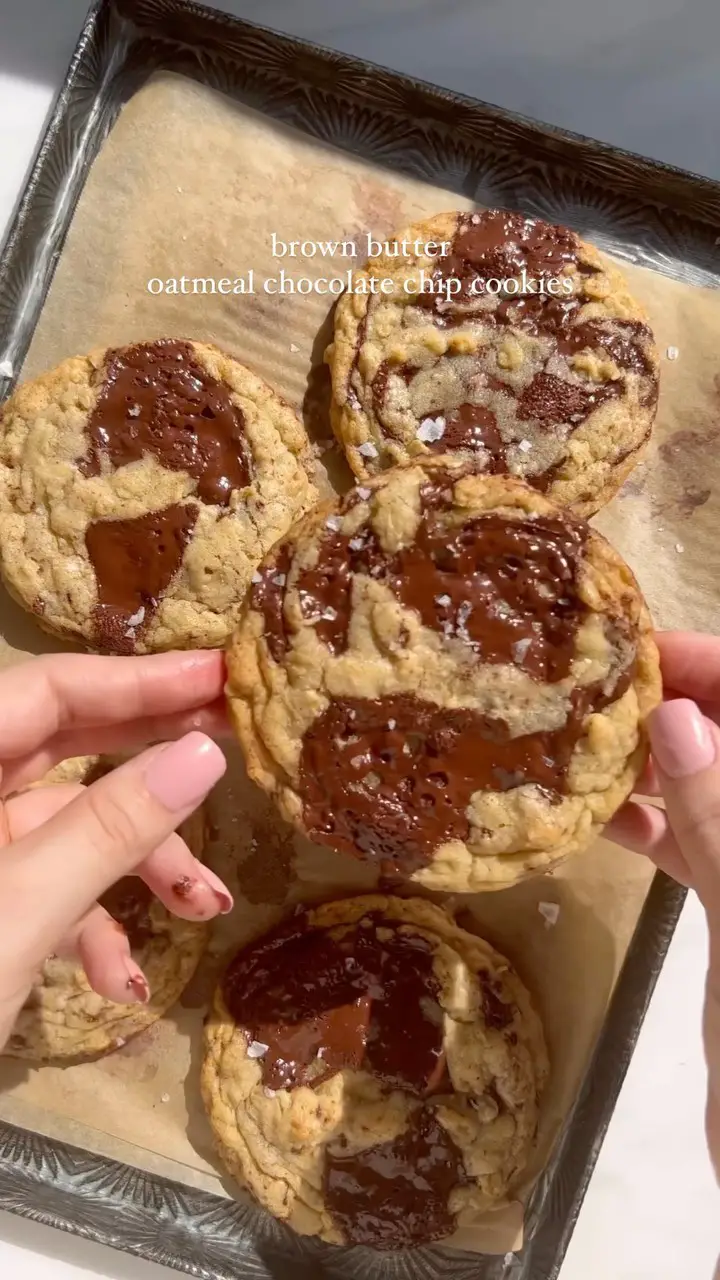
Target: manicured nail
137	987
181	775
221	891
206	894
680	736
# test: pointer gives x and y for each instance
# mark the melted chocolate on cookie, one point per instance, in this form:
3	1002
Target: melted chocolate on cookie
500	245
322	1003
397	1194
157	399
390	779
314	1002
134	562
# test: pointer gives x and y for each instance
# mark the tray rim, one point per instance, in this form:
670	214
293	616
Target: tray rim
35	1169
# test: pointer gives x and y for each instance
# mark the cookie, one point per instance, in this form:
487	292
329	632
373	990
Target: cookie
372	1073
63	1018
139	487
557	387
445	674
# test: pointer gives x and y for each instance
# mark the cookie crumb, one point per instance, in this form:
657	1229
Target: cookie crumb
256	1049
293	348
165	1097
679	548
368	449
6	369
550	912
672	353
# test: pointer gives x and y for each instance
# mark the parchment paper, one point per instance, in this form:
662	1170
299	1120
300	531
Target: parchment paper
190	184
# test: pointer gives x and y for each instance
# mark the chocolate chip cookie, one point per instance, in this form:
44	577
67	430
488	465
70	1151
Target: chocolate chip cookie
63	1018
372	1073
502	338
447	675
139	487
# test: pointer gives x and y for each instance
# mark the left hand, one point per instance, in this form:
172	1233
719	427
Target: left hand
63	846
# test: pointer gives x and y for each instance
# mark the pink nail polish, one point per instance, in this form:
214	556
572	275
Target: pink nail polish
181	775
681	740
222	893
137	987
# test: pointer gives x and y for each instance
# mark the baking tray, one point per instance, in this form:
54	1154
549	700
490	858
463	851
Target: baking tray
639	210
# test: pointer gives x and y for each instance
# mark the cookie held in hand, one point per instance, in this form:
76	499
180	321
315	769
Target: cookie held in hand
372	1073
447	675
512	342
139	487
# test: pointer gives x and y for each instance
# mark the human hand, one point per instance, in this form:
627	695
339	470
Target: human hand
63	846
684	839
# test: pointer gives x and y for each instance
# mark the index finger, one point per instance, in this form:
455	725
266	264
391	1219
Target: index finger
56	694
690	664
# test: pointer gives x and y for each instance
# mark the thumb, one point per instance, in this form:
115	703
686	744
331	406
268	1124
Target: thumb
686	750
53	875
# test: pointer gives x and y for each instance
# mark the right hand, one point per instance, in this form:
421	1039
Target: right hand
684	839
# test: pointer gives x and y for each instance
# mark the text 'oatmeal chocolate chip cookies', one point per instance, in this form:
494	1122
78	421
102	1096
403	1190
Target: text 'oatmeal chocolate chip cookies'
549	373
64	1018
372	1073
447	675
139	487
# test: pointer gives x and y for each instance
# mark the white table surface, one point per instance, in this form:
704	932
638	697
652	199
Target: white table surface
643	74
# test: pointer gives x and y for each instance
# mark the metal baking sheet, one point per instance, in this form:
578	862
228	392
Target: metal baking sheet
639	210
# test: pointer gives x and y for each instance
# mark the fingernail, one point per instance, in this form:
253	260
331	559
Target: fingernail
181	775
221	891
137	987
681	741
206	895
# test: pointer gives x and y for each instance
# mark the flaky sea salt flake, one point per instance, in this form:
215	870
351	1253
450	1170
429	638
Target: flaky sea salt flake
134	411
329	614
256	1049
356	544
294	348
550	912
6	369
672	353
443	601
368	449
279	579
524	446
165	1097
430	430
256	577
392	724
364	493
334	523
137	618
270	1093
679	548
520	648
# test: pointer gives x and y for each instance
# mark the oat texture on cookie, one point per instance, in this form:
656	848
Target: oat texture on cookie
373	1073
139	487
519	347
447	675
